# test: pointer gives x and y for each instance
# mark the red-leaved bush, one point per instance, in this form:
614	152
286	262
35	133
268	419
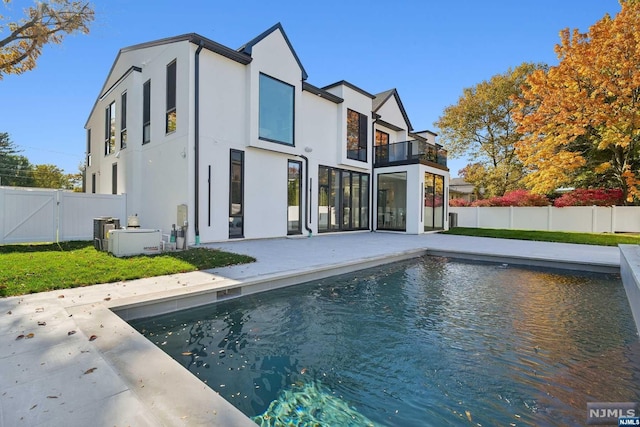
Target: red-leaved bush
590	197
459	203
514	198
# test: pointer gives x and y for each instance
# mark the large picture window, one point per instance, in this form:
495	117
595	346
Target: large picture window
392	201
276	110
356	136
343	200
171	98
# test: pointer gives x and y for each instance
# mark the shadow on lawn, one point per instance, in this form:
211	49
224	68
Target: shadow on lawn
45	247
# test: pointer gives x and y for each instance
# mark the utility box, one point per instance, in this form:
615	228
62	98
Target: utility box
101	227
134	242
453	219
182	217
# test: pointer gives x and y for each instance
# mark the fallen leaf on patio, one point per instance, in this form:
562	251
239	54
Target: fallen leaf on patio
42	323
107	299
31	335
71	332
33	406
93	337
8	312
52	397
19	337
60	296
88	371
186	353
39	310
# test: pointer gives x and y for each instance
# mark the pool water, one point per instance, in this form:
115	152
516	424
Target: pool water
423	342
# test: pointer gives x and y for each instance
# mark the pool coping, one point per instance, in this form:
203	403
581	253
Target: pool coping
160	391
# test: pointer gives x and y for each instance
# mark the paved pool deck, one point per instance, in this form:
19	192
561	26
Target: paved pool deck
66	358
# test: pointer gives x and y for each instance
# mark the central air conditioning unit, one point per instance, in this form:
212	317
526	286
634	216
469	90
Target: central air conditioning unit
134	242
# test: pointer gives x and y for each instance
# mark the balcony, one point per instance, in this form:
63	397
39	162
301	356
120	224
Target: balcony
410	152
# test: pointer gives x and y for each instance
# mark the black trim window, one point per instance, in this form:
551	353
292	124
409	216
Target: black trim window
88	147
110	129
276	110
236	194
146	112
123	121
356	136
343	200
114	178
294	193
382	146
93	183
170	120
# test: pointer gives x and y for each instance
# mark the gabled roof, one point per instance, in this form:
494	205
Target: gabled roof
350	86
247	48
381	98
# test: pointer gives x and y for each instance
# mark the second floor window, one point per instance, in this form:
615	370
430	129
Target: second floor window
356	136
110	129
146	112
171	98
276	110
123	121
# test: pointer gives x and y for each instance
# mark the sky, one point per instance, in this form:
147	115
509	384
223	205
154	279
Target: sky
429	51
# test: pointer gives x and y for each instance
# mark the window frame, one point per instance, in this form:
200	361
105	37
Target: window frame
110	129
298	177
123	120
239	160
269	108
171	98
146	112
359	135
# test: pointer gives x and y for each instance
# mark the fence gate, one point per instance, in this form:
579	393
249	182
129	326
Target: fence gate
27	216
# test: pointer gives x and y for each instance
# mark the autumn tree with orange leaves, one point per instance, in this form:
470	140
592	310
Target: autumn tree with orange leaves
45	22
580	120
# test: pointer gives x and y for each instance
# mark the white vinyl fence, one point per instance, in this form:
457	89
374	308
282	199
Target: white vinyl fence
41	215
588	219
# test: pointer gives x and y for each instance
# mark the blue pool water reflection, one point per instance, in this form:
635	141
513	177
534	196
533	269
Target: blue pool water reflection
417	343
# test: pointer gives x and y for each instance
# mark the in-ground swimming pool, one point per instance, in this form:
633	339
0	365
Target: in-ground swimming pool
422	342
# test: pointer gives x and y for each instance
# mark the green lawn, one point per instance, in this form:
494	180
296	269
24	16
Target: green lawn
602	239
31	268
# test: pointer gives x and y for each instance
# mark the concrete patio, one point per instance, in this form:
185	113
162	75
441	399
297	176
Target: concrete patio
78	363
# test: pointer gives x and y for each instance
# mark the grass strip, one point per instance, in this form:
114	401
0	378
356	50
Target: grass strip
31	268
600	239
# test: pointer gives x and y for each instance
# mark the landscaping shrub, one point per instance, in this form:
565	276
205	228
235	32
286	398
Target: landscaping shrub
590	197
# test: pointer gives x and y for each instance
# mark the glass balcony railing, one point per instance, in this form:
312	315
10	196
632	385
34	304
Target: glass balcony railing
408	152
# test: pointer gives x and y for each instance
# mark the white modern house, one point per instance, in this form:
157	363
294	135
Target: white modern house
235	143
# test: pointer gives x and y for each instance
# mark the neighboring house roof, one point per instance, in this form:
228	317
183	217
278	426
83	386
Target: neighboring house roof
350	86
459	185
383	97
249	46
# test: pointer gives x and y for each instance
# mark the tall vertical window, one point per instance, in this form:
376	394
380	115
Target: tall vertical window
433	201
146	112
123	121
356	136
382	146
88	147
294	190
171	97
110	129
93	182
236	194
114	178
276	110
